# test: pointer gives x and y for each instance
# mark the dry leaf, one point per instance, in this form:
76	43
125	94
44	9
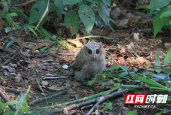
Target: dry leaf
10	69
131	46
44	83
46	43
121	60
36	61
77	43
18	78
141	61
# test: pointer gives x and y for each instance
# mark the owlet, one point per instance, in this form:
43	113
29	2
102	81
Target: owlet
89	60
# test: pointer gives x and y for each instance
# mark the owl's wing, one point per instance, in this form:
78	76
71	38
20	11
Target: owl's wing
79	61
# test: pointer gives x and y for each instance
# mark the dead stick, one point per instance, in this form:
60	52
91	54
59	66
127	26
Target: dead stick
6	100
51	96
10	89
75	106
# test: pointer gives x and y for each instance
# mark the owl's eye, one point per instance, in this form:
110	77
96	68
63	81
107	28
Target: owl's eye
97	51
90	51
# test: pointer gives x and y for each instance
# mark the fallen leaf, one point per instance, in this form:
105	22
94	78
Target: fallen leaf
31	65
136	37
46	43
36	61
121	60
18	78
140	61
77	43
130	46
44	83
10	69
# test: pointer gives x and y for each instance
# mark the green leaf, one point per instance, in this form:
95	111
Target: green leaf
168	57
143	7
167	70
10	43
124	67
9	19
2	105
6	8
98	22
161	76
13	14
103	11
37	11
44	48
107	2
93	1
19	13
11	102
70	2
108	105
156	4
43	32
4	1
90	83
158	22
165	14
112	68
158	113
2	15
17	27
71	19
22	100
9	112
123	74
132	112
31	29
113	21
87	16
24	110
59	4
151	83
157	63
53	7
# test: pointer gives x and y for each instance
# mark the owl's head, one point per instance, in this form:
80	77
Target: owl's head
94	50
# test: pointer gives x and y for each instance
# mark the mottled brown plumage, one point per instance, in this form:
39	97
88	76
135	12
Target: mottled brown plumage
89	60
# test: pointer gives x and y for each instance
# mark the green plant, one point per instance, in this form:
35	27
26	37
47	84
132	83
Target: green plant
163	14
7	15
21	105
122	74
76	8
108	105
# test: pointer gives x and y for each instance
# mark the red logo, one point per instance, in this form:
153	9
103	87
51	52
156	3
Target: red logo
135	98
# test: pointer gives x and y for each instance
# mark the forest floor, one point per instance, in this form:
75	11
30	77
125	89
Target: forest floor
49	72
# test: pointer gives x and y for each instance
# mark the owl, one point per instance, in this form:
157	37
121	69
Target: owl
89	60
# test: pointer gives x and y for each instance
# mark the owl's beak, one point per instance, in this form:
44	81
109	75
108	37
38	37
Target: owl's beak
94	56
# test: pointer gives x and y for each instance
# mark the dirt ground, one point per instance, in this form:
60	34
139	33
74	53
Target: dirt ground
50	72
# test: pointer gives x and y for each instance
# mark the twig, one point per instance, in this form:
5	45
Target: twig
6	100
100	100
61	77
51	96
75	106
169	65
24	3
2	57
3	38
7	61
10	89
